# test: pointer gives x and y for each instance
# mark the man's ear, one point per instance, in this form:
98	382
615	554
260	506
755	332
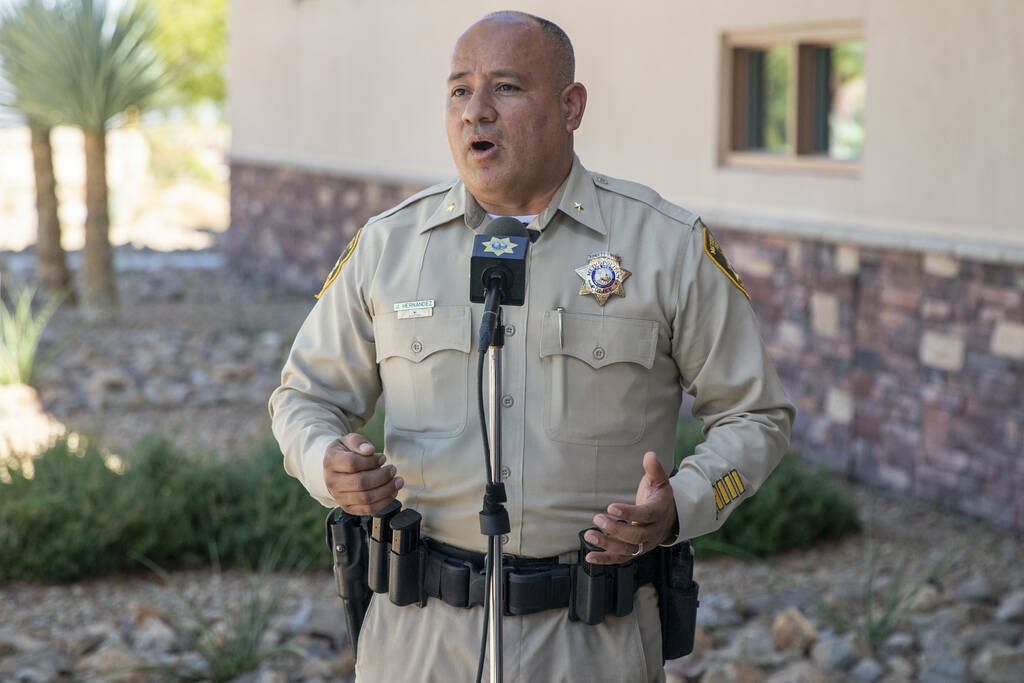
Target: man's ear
574	102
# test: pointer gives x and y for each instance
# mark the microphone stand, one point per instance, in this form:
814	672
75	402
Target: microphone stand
496	575
494	520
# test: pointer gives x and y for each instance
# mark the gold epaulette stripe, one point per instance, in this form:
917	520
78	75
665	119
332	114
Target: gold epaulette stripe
721	489
727	489
729	485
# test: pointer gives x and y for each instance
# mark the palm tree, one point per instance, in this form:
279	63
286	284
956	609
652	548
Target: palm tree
19	32
95	64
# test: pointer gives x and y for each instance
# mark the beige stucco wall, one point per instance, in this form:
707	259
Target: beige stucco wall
358	86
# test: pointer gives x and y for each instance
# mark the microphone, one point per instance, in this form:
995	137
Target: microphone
498	271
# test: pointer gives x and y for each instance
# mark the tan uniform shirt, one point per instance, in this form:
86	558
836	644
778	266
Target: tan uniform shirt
580	405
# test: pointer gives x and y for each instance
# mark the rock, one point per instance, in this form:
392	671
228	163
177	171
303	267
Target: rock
12	642
324	619
977	588
733	672
232	373
262	675
314	667
938	632
113	662
37	666
798	672
867	670
752	644
978	636
899	643
895	678
835	653
161	392
85	641
1011	608
791	629
718	611
110	386
941	667
899	666
926	600
154	636
999	664
688	668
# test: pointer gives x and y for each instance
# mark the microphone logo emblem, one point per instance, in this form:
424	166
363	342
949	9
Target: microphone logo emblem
499	246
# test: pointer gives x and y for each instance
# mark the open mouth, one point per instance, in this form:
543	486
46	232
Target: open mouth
482	145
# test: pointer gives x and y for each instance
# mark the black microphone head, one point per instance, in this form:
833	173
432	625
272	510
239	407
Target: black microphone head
506	226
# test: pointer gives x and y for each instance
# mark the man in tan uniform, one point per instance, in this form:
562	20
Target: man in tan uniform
629	302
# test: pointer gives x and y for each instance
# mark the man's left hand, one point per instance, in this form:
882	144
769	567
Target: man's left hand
651	519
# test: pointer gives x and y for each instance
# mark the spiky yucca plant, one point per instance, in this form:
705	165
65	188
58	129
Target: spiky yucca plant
90	63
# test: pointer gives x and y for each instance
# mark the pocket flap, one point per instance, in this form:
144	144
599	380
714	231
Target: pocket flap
600	340
416	338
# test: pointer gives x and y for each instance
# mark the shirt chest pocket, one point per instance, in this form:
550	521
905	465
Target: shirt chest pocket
598	376
424	369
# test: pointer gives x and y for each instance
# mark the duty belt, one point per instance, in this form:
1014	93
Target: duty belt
458	577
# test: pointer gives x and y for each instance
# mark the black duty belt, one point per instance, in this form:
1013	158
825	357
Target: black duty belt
458	577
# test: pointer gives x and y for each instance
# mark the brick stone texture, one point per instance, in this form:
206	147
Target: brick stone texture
857	335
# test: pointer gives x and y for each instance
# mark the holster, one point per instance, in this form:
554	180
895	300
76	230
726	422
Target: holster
677	600
346	538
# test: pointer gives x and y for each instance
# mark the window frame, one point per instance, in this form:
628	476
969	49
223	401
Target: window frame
802	39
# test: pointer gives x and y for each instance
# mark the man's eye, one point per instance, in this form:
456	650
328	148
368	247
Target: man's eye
507	87
458	92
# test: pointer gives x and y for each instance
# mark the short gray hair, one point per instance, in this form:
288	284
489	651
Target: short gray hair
566	58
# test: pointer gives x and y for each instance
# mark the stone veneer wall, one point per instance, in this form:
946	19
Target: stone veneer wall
907	368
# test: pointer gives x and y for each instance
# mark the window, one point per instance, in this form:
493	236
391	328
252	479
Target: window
794	98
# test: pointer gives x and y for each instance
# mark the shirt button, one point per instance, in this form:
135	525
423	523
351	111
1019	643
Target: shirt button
598	353
507	401
504	539
417	347
601	179
505	473
510	330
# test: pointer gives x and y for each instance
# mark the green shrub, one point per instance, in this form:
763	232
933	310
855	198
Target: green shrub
796	507
76	517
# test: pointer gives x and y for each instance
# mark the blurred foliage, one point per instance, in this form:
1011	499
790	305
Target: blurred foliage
78	517
776	96
81	62
21	330
797	506
192	39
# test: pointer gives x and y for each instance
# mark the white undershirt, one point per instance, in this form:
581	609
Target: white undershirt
522	219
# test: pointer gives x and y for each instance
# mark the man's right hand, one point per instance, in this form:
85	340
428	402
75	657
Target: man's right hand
356	476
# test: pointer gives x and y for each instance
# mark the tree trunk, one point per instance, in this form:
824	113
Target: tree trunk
99	286
51	263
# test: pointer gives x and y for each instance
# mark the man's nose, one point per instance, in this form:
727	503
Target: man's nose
479	108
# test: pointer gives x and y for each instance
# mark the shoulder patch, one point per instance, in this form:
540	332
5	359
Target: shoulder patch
340	262
714	251
432	190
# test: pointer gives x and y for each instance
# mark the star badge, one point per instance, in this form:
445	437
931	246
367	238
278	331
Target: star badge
603	276
499	246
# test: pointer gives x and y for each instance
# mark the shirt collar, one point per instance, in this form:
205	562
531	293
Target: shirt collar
576	198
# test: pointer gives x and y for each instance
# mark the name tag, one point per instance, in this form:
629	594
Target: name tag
415	309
